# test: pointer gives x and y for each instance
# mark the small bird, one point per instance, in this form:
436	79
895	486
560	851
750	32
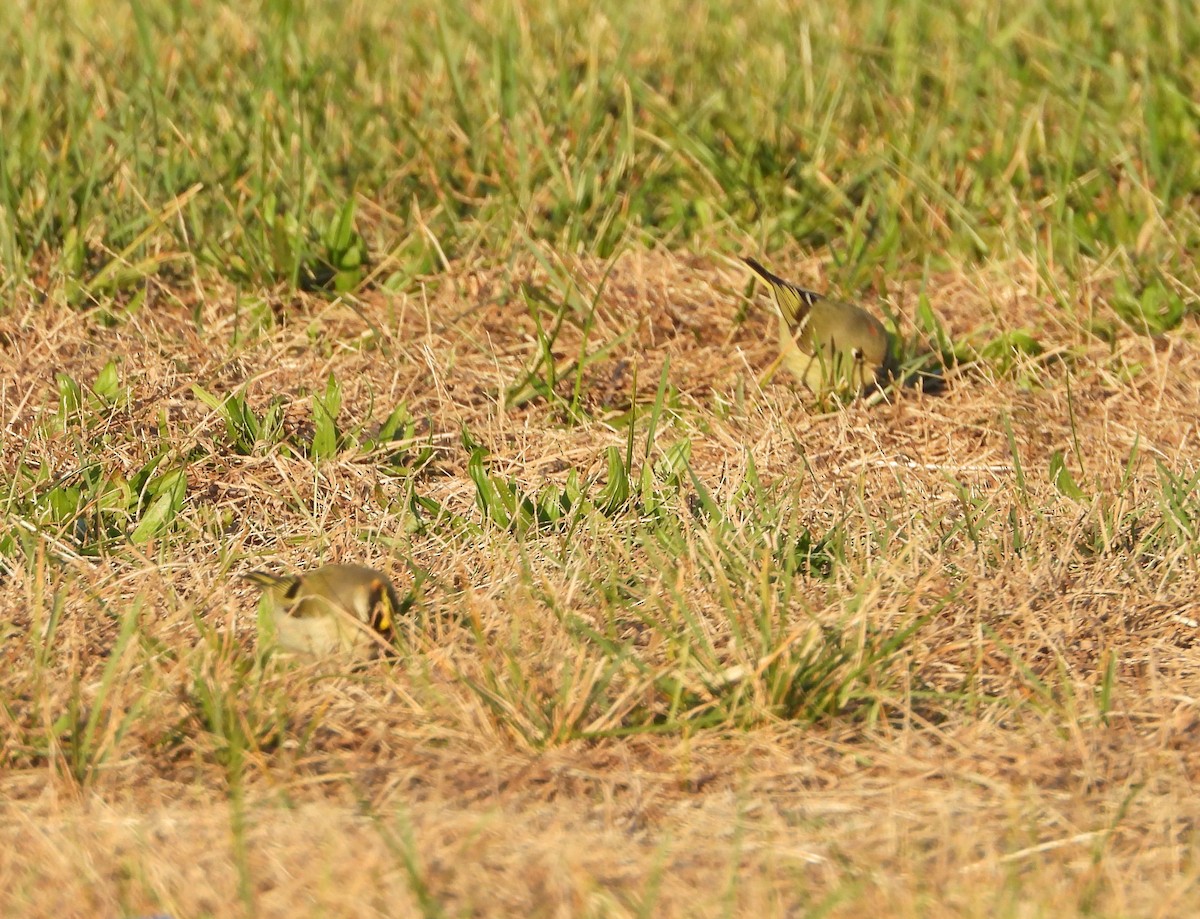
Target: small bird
335	609
828	344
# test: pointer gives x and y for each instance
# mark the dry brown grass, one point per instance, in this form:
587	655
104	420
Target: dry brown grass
996	780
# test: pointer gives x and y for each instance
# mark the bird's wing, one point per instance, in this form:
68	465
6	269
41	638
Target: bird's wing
794	301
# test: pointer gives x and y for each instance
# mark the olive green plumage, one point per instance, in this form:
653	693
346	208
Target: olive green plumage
336	609
828	344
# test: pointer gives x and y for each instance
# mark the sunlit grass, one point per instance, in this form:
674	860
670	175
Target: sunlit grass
451	290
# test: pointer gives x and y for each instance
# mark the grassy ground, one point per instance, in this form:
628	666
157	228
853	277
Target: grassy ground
451	290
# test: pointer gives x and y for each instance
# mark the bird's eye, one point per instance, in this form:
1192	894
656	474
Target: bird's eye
858	355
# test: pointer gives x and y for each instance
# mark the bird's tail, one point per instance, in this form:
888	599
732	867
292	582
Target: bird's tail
793	301
265	579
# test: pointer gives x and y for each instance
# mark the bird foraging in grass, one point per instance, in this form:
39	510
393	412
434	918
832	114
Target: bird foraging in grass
828	344
335	609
